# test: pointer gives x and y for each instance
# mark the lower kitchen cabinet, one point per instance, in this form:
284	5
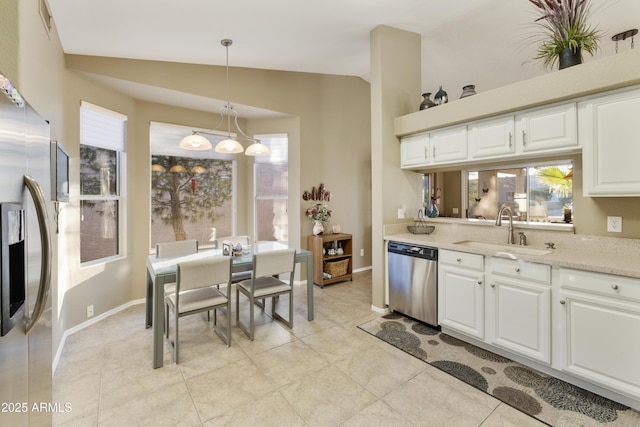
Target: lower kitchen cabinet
461	292
601	327
519	308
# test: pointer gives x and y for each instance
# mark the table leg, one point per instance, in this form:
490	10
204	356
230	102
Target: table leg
158	322
309	287
149	301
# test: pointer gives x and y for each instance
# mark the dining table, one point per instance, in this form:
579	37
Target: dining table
162	270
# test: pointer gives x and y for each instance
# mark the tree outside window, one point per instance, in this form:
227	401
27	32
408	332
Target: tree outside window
191	198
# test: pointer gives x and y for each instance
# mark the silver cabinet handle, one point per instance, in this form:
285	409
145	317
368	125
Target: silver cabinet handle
434	151
517	270
510	139
45	268
480	282
459	259
493	285
615	287
426	153
524	138
563	302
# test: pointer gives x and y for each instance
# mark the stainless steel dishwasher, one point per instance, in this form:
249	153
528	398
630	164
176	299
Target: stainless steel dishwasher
413	281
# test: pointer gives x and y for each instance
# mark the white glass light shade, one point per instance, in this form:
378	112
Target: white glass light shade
195	142
257	149
229	146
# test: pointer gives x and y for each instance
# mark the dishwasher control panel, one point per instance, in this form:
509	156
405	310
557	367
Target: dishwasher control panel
413	250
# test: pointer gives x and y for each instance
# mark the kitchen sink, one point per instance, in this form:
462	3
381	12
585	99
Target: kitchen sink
512	249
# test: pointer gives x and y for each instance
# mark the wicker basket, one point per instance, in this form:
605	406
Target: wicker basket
336	268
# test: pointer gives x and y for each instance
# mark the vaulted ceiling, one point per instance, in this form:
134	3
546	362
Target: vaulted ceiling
489	43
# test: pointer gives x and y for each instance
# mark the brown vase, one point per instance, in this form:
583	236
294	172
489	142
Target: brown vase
568	57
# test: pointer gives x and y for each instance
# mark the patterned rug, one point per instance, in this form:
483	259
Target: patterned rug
545	398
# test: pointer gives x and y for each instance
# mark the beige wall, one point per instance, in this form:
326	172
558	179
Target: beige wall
395	83
328	123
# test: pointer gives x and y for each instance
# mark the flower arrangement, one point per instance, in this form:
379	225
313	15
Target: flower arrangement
319	212
564	26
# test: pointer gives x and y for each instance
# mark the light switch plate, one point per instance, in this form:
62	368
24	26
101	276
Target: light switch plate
614	224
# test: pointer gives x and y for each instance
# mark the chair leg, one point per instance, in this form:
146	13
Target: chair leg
166	320
252	321
175	344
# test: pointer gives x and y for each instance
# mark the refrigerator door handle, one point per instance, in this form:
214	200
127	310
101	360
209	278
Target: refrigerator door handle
45	269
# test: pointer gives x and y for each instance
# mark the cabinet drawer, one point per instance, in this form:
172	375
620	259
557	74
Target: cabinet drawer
521	270
462	259
599	283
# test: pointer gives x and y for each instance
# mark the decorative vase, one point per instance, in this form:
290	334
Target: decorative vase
468	90
426	101
441	97
432	209
568	57
318	228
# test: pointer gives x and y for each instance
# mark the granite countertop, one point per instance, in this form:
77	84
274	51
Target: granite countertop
581	254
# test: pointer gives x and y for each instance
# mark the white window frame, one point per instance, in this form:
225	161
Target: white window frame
264	139
106	141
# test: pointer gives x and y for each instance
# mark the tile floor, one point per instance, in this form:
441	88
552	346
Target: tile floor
322	373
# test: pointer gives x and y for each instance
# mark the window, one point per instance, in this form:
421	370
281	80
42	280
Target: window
539	193
192	192
191	198
102	134
271	174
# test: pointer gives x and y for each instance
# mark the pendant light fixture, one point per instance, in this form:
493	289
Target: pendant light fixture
230	145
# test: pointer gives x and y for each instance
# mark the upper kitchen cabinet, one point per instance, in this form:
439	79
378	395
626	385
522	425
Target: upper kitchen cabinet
414	150
547	129
439	147
449	144
542	131
610	134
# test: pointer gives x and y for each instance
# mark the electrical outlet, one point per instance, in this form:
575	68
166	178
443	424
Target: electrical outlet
89	311
614	224
454	211
361	252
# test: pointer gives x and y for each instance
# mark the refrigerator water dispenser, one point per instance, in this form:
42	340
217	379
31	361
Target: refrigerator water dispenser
12	254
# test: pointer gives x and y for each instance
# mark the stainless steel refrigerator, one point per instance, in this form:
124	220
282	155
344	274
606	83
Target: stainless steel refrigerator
25	199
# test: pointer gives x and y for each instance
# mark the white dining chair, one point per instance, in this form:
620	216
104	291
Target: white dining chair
264	283
198	290
168	249
233	241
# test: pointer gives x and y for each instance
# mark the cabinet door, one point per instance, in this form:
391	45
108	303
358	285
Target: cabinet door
548	128
449	144
521	318
490	138
610	134
602	341
414	150
461	300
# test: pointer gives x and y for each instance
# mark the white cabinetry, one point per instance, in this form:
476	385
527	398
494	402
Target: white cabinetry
601	326
438	147
491	138
518	307
414	150
610	132
461	292
449	144
544	130
548	128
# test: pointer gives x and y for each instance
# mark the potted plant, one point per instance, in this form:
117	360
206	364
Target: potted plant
565	32
319	213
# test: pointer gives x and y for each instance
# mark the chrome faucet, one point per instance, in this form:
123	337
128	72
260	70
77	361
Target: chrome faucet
506	208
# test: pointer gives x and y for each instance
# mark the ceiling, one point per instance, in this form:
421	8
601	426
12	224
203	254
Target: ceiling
488	43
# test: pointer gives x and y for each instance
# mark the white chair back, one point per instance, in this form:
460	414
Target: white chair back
180	247
203	273
274	262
